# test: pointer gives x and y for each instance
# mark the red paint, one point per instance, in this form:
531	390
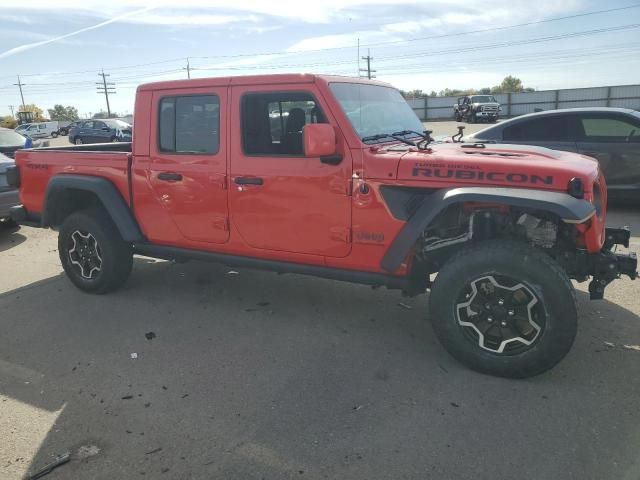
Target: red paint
306	211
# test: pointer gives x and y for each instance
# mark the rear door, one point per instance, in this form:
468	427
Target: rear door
550	131
100	132
188	161
85	132
614	140
281	200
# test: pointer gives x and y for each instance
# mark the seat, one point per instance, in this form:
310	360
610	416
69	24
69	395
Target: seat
292	138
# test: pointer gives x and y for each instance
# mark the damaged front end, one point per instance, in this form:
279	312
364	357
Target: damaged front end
606	266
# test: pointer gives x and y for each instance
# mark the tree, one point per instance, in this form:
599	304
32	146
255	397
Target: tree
509	84
59	112
37	112
103	114
8	122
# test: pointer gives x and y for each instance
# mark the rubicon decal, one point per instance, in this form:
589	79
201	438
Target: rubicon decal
499	177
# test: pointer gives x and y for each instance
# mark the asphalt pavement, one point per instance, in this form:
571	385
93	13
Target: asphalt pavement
192	371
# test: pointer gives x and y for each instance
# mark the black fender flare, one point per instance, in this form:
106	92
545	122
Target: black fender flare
106	192
566	207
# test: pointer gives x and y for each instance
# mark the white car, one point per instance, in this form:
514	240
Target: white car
39	130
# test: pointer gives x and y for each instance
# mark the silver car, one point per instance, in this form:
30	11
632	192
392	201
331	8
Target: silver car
611	135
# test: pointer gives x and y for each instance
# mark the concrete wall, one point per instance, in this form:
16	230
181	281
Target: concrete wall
514	104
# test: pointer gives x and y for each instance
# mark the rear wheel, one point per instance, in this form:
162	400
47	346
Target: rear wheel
504	309
93	254
114	140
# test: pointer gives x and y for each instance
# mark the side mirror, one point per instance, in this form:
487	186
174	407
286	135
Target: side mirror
319	140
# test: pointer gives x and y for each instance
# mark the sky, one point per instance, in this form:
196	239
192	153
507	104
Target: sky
58	48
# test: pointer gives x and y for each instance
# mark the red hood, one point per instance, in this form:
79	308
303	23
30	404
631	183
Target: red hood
496	165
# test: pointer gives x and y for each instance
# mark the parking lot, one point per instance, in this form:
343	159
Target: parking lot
259	375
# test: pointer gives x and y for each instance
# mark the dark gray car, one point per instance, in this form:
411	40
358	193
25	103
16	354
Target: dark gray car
8	195
611	135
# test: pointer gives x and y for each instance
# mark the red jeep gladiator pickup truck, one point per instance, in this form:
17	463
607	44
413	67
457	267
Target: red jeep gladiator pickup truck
335	177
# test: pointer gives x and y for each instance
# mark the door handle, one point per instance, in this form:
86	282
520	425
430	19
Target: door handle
248	181
169	177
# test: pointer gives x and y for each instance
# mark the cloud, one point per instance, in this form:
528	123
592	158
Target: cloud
29	46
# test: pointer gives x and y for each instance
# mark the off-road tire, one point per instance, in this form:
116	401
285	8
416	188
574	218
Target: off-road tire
116	257
54	134
534	269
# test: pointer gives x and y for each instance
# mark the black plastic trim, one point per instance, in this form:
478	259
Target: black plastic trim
366	278
106	192
563	205
20	215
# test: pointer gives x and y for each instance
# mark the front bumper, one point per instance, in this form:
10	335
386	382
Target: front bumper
8	199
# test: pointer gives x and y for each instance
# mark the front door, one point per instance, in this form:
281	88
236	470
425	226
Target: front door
549	131
187	163
281	200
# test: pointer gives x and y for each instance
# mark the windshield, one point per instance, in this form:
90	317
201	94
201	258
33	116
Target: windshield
374	110
483	99
11	138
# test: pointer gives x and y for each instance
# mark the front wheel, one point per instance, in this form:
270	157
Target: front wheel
93	254
78	141
504	309
54	134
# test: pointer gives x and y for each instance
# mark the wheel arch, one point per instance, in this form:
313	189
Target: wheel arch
66	194
569	209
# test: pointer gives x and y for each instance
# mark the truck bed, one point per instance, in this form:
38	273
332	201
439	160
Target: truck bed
38	165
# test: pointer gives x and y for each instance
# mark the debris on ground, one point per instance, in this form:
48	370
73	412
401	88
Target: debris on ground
405	306
454	404
357	407
632	347
626	347
127	397
134	355
233	272
156	450
47	469
150	335
86	451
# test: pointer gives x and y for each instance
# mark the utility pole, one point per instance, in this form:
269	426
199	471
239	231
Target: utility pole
20	85
11	107
188	69
358	56
368	58
106	88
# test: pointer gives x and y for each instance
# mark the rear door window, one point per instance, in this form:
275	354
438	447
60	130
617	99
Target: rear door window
190	124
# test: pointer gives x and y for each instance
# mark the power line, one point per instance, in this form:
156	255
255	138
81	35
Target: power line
377	44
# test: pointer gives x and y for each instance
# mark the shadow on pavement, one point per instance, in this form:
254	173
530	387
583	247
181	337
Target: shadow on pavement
259	375
10	237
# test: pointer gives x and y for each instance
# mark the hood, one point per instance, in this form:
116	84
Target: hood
497	165
495	104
